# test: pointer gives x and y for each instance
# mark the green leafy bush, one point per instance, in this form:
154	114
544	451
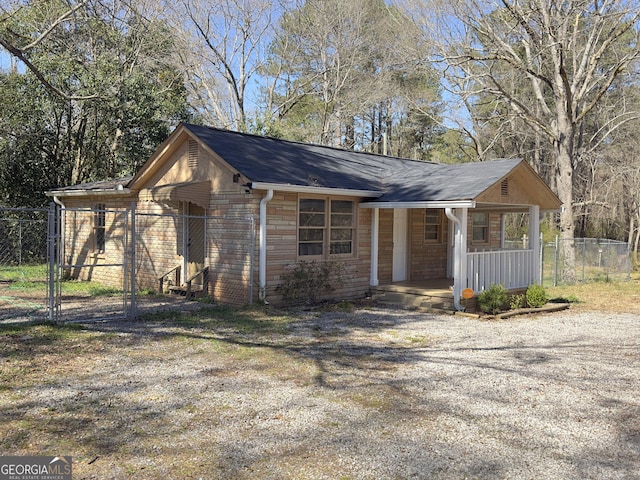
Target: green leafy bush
536	296
517	301
308	281
494	299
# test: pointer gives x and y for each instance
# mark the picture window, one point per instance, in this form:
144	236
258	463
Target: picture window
325	227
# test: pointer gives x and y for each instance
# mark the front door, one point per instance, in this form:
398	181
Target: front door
399	269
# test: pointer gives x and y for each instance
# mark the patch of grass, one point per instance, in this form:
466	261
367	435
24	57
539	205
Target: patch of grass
621	297
249	320
27	285
23	273
27	351
93	289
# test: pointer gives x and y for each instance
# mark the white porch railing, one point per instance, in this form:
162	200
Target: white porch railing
511	268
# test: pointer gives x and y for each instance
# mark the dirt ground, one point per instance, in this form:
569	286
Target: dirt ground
368	393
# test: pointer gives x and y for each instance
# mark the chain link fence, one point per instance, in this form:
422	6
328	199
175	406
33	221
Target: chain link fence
71	264
195	255
585	260
24	268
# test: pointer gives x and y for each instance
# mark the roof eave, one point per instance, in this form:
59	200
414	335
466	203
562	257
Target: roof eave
315	190
84	193
422	204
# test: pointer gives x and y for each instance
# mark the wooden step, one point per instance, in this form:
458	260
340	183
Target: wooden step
182	290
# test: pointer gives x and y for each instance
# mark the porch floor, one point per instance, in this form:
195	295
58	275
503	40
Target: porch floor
435	293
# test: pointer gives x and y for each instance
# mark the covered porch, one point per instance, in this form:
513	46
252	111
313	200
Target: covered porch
452	226
422	281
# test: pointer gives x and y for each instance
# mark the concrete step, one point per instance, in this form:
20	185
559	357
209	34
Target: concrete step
413	300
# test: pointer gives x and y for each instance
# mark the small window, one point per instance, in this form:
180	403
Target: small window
480	228
99	224
432	225
325	226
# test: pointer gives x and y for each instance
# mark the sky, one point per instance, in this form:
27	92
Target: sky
5	61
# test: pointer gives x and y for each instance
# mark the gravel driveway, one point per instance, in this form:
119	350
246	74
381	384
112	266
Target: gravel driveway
369	394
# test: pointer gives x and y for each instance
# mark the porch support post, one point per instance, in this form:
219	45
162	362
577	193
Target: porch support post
459	217
534	242
375	228
462	214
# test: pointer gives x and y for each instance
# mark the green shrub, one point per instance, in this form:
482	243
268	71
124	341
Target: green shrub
517	301
308	281
536	296
494	299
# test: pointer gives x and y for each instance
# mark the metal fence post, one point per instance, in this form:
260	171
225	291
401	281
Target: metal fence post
541	260
51	258
555	266
608	261
584	245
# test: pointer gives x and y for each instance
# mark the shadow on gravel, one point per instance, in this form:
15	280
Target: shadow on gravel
395	394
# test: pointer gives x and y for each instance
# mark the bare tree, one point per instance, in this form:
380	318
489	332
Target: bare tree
570	53
223	51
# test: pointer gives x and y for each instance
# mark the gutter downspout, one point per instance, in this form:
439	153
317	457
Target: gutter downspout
456	260
263	245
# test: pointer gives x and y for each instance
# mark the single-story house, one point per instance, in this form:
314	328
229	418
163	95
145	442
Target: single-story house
387	220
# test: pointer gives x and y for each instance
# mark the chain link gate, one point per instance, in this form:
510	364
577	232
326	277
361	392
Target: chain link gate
92	263
24	266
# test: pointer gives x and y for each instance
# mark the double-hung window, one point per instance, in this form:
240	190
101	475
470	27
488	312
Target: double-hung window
480	227
325	227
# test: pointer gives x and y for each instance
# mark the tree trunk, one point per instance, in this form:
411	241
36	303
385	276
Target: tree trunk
564	179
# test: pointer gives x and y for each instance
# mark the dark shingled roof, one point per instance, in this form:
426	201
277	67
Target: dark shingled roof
275	161
101	185
270	160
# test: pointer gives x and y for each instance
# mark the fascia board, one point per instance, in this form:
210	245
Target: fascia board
85	193
314	190
435	204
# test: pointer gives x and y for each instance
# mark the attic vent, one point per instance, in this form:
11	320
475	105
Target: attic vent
193	154
504	187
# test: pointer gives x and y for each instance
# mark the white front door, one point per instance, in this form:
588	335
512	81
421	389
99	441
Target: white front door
399	272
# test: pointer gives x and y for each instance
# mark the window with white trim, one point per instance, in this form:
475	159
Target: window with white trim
480	227
325	227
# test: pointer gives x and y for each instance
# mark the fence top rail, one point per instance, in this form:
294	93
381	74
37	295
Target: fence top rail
23	209
93	210
245	218
14	219
500	252
582	240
